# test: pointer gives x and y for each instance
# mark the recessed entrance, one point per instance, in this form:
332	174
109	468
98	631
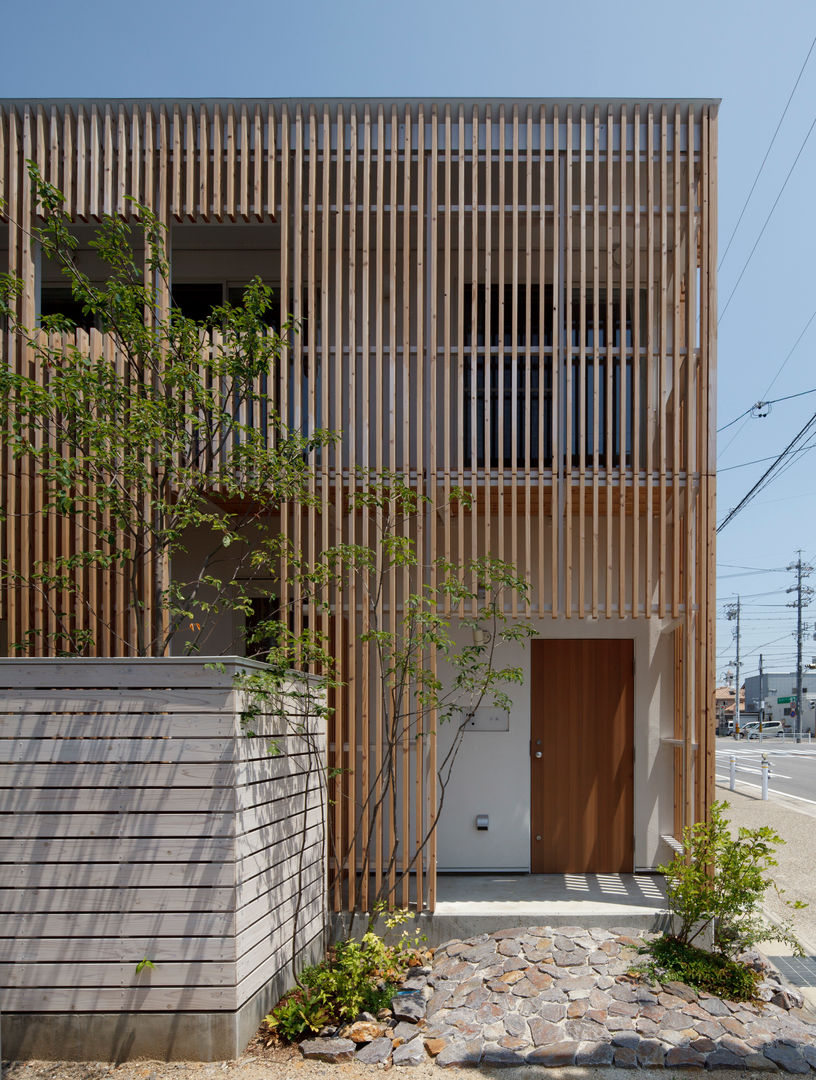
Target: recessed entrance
581	756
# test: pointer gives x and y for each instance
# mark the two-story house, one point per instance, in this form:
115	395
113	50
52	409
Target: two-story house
514	298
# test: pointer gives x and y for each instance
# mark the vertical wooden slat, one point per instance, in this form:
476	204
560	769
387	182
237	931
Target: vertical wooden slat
190	207
473	358
230	208
623	352
429	749
177	165
514	355
149	157
636	366
460	333
135	162
557	450
502	329
377	716
31	490
218	169
203	163
596	356
569	361
123	153
353	682
446	346
364	535
423	336
271	169
488	343
54	155
68	167
244	154
108	163
650	357
662	377
343	759
676	395
82	164
610	360
582	377
257	164
412	410
4	166
95	177
528	355
394	577
545	362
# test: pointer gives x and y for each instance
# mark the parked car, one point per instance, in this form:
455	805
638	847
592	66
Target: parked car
769	728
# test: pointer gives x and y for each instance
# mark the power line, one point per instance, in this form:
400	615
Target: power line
765	479
779	371
767	153
767	220
770	457
763	404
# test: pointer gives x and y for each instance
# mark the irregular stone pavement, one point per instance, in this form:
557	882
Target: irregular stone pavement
564	996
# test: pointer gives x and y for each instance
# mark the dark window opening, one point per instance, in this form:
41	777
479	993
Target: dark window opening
58	300
196	301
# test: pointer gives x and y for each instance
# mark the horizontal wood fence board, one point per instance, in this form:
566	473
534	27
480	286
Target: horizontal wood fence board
111	999
74	949
115	974
75	825
68	923
129	901
119	751
124	849
122	875
166	673
117	774
121	725
200	800
107	701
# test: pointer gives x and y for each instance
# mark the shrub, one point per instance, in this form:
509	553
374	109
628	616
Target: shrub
719	881
356	976
672	959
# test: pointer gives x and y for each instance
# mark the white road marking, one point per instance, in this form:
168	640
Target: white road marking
771	791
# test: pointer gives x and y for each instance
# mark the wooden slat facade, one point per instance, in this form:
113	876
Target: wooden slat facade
134	825
515	298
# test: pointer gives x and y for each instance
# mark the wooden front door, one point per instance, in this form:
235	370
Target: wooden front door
582	756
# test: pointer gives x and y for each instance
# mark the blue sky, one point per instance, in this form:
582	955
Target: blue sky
748	53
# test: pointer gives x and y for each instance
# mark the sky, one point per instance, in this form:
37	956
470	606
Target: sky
747	53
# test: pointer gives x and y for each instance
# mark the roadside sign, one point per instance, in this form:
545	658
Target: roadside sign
783	700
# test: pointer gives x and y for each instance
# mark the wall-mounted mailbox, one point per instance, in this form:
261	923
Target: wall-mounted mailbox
482	822
487	719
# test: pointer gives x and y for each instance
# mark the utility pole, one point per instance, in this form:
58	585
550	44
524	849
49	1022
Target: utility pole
733	612
761	696
803	594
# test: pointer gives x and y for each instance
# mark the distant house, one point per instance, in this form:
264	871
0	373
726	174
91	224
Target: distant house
513	297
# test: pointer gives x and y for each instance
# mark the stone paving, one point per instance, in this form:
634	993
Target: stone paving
564	996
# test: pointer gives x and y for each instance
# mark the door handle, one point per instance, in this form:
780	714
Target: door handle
538	753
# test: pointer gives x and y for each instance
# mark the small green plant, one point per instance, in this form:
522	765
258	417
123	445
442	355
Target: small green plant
145	963
719	880
671	959
357	976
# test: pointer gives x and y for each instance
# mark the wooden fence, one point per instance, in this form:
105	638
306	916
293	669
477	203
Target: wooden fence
144	816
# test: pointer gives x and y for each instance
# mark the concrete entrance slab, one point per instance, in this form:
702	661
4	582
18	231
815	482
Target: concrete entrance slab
469	904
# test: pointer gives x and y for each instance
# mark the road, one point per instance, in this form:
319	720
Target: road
793	767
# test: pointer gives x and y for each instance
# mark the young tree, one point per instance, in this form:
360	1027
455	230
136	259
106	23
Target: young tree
155	426
163	426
